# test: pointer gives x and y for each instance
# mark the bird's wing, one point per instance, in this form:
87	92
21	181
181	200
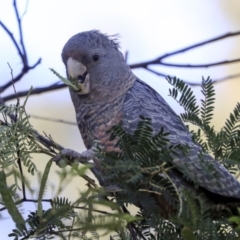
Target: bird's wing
141	99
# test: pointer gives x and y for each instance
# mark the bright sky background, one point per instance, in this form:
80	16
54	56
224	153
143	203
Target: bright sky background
147	29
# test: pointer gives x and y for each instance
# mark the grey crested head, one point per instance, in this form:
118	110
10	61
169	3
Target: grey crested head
95	61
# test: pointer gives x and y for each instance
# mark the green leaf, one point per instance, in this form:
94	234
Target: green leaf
66	81
42	186
9	203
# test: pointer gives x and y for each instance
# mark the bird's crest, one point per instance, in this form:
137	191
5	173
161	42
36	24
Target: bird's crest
103	38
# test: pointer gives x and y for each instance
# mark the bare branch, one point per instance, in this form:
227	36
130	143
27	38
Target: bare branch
200	65
159	59
52	119
215	81
27	200
25	10
25	60
20	75
55	86
155	72
21	51
14	85
12	38
219	80
39	90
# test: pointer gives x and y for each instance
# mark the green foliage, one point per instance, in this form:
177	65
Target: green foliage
16	138
42	187
73	85
7	199
136	168
141	173
142	169
224	145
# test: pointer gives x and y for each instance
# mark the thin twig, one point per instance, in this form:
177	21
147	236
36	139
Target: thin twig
18	100
94	210
220	80
21	50
144	65
25	59
159	59
19	163
131	226
215	81
149	191
20	75
38	90
12	38
25	10
155	72
26	200
52	119
206	65
53	87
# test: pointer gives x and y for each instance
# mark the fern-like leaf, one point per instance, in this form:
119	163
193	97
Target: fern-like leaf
208	101
187	98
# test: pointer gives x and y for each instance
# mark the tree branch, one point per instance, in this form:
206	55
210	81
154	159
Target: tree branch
22	52
159	59
55	86
25	59
215	81
12	38
20	75
200	65
39	90
53	120
25	10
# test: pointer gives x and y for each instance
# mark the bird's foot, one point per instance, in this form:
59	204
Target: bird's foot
113	188
70	157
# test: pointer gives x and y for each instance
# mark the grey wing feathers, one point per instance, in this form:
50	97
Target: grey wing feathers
203	170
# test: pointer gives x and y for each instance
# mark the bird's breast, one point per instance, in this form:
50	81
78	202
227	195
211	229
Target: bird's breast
94	120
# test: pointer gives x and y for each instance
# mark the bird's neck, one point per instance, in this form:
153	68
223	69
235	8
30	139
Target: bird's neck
102	93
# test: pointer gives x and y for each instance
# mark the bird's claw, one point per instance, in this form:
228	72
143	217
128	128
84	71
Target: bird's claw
113	188
70	157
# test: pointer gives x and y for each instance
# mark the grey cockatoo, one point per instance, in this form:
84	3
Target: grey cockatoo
110	93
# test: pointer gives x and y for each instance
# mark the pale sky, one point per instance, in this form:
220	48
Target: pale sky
147	29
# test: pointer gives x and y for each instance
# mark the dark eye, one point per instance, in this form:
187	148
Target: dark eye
95	57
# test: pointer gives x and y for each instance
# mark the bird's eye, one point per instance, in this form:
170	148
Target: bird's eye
95	57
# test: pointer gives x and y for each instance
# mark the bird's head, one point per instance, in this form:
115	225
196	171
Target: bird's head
94	61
